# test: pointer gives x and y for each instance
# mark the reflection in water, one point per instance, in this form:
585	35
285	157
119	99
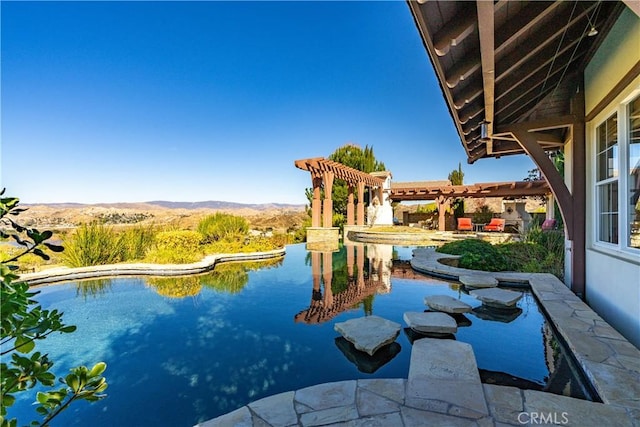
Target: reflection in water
343	286
504	315
92	287
364	362
414	335
229	277
176	287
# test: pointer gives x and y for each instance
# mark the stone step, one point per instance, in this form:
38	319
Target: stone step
445	371
446	304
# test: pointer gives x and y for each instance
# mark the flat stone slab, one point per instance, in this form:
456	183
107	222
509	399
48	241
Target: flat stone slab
431	322
445	371
478	281
369	333
446	304
497	297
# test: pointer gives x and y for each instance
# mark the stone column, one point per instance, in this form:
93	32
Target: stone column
316	204
350	207
360	207
327	206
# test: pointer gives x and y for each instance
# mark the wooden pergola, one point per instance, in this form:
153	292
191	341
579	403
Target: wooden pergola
443	194
323	172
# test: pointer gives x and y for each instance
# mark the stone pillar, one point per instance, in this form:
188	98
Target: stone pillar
350	207
360	207
550	208
316	206
327	206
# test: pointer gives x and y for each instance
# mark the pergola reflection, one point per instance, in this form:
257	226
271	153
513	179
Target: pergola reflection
368	273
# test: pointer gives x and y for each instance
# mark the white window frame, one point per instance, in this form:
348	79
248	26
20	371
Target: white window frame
620	108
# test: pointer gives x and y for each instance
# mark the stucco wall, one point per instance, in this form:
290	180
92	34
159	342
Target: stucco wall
615	57
612	275
613	291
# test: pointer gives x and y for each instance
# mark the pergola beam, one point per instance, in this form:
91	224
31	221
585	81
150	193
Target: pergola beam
491	189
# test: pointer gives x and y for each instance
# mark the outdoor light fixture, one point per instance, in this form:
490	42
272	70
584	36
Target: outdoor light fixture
593	31
484	131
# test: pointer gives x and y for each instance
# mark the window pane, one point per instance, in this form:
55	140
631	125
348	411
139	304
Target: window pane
608	211
634	173
607	162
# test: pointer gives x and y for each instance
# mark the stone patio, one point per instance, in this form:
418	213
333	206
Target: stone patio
443	386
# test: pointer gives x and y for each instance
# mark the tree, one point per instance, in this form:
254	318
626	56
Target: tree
23	322
456	177
355	157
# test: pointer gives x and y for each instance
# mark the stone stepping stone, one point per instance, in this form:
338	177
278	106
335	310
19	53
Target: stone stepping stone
446	304
497	297
446	371
478	281
431	322
369	333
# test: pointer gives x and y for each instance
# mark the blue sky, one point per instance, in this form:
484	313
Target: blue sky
191	101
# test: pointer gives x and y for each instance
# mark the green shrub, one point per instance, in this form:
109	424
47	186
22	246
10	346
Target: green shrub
176	247
476	255
540	252
92	244
222	226
136	242
252	244
483	215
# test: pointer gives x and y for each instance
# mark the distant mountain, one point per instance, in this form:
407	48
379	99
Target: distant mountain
216	204
209	204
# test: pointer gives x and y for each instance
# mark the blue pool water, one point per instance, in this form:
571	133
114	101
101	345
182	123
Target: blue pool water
183	350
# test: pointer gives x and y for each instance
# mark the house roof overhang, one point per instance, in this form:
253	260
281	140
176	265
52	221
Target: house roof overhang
502	63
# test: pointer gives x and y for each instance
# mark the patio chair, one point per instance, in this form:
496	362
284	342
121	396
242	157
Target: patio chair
496	224
548	224
465	224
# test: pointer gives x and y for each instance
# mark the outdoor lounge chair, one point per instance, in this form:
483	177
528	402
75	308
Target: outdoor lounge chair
496	224
465	224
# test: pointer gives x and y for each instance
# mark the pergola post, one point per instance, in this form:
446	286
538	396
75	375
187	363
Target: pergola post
327	205
360	206
350	206
443	204
316	206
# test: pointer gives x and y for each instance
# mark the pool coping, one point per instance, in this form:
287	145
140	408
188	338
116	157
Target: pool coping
208	263
609	361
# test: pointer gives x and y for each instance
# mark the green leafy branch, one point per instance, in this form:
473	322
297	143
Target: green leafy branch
23	322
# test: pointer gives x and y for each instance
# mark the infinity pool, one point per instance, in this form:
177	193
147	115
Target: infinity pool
183	350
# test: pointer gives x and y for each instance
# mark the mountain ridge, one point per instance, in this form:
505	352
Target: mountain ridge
206	204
